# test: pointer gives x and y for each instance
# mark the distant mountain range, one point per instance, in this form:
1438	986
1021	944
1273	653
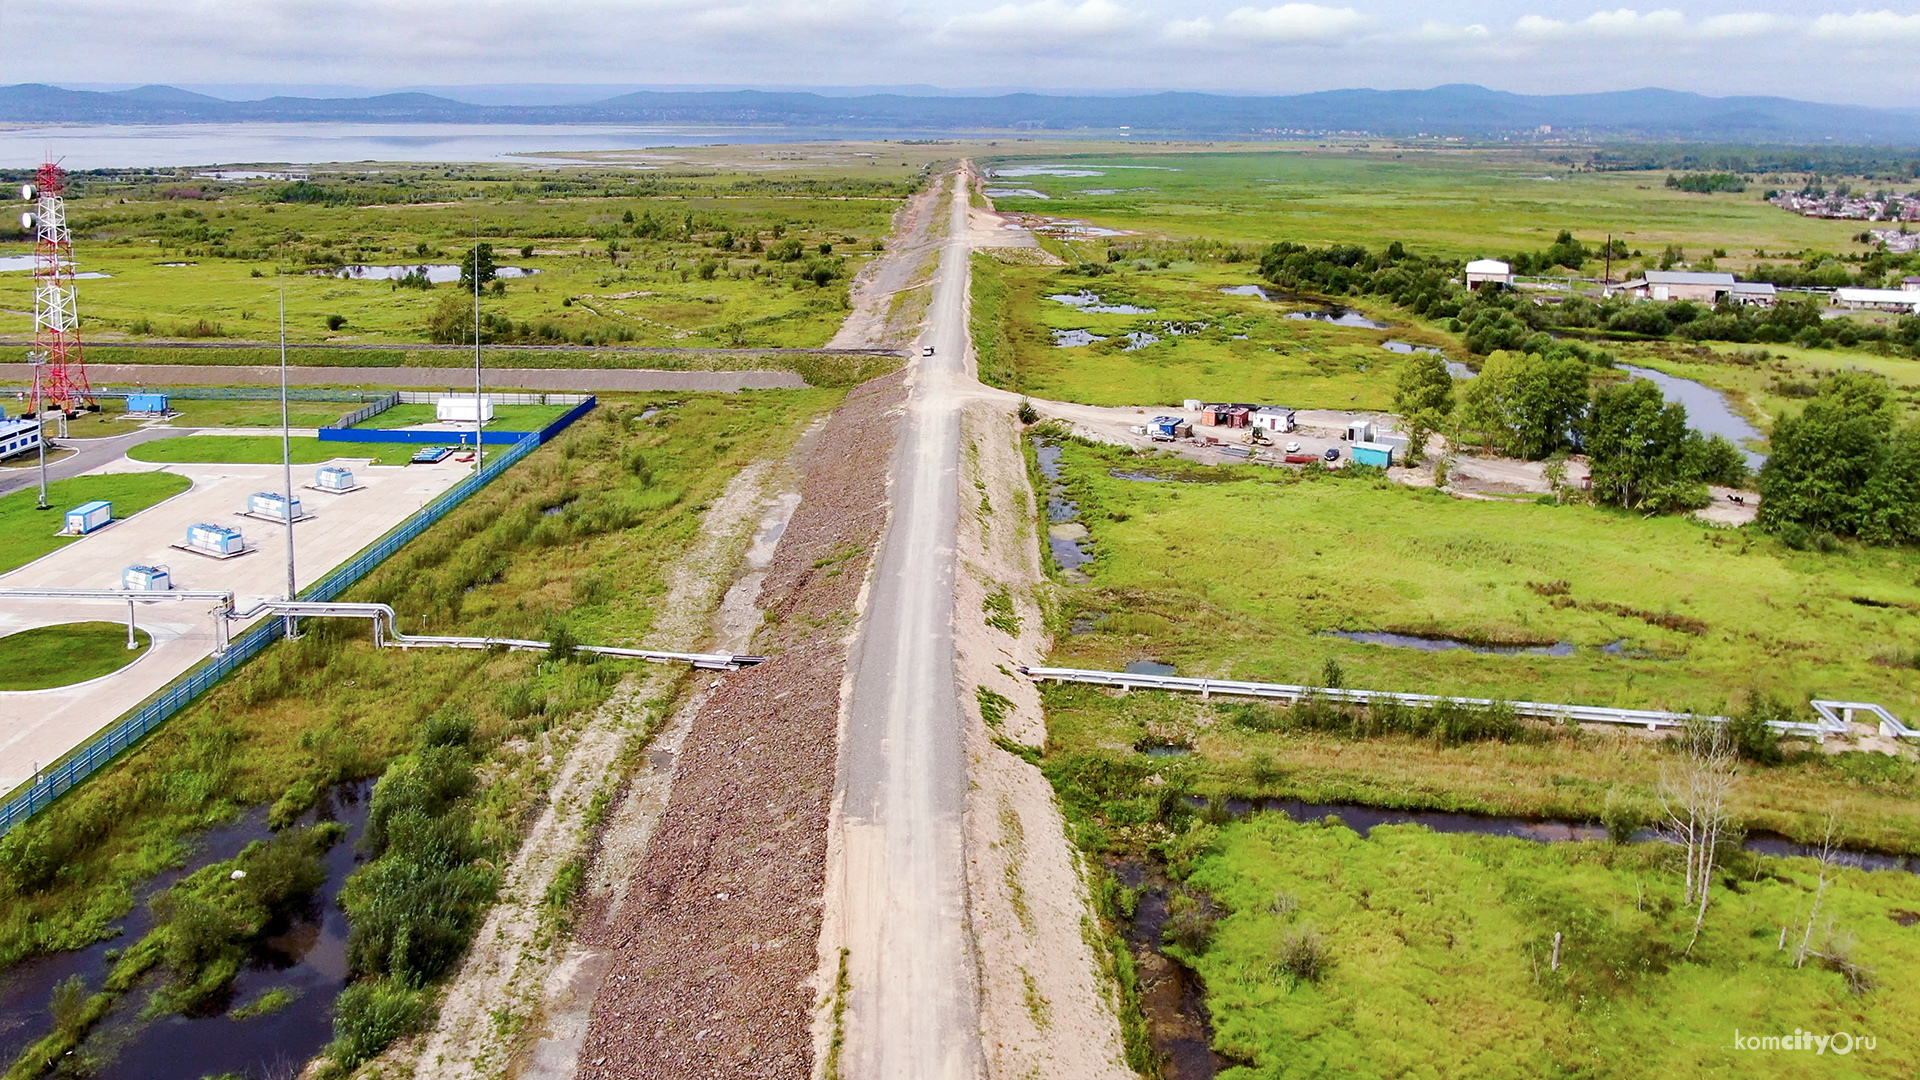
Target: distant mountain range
1465	111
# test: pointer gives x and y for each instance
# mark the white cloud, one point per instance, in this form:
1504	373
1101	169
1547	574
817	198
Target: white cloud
1288	24
1867	27
1045	21
1622	23
1745	24
1444	33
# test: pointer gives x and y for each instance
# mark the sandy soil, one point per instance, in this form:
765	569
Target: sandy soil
1044	1009
1002	235
516	974
1723	510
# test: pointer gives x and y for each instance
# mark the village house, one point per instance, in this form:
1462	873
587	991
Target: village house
1901	300
1755	293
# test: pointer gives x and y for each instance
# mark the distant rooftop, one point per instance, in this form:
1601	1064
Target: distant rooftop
1688	277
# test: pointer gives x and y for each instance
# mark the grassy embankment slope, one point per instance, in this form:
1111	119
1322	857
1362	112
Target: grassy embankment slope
331	707
27	533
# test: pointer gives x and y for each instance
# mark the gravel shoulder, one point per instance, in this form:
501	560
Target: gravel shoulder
714	945
1045	1009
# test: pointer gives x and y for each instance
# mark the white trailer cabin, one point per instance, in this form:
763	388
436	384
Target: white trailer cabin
460	409
87	517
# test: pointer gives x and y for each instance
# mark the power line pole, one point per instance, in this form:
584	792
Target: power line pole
286	463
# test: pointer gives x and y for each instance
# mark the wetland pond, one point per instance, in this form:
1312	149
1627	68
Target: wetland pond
1066	536
1707	409
306	962
1090	302
1323	311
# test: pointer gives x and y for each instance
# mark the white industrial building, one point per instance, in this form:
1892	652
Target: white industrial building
18	437
1903	300
459	409
1488	272
1696	285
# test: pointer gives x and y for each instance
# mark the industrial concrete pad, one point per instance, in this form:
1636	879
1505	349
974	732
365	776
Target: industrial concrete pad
38	726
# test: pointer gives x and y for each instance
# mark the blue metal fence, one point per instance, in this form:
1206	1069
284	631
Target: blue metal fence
345	432
108	744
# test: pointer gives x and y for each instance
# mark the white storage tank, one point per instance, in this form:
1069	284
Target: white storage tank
146	579
215	539
459	408
272	504
333	478
87	517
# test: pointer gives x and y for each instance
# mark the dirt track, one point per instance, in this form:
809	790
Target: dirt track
716	940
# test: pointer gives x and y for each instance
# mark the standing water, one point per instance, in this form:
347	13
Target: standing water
1707	410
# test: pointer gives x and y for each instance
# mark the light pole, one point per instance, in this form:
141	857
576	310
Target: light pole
478	416
286	464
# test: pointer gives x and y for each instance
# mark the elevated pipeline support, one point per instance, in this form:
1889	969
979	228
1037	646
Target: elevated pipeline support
222	601
1651	719
386	631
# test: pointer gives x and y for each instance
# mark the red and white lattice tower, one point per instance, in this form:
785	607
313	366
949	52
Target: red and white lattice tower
59	373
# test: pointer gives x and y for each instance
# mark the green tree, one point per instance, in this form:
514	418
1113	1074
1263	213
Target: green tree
1524	404
1424	399
1637	448
480	255
451	322
1836	467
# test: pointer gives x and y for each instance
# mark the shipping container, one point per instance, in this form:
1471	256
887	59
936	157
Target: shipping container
147	403
87	517
1379	455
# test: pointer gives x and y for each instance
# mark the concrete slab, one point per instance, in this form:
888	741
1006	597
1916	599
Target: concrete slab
37	727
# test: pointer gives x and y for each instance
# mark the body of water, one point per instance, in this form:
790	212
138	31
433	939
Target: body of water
130	146
1707	409
438	273
1089	301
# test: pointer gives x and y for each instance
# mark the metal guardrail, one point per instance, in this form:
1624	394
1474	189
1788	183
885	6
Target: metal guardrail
1651	719
66	774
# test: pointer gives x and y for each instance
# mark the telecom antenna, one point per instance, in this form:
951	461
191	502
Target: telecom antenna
59	373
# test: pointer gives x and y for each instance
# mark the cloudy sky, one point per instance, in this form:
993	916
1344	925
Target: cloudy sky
1864	55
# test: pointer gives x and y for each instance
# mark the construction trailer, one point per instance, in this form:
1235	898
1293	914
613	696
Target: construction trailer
1274	419
146	579
333	478
87	517
18	437
1359	431
215	540
273	505
1378	455
1169	427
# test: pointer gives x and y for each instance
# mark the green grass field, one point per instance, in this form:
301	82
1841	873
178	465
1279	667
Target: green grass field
66	653
264	450
1248	575
616	255
1464	203
1209	344
1441	953
27	533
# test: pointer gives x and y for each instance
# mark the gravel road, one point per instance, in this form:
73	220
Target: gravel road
911	1010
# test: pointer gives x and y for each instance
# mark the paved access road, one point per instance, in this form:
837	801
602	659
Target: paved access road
912	1013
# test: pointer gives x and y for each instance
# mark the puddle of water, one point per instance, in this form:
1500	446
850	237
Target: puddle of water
1066	537
1089	301
1081	228
177	264
1163	750
1435	644
1085	622
1406	347
438	273
1140	339
1144	478
1045	170
1338	316
1100	191
1149	667
1014	193
660	760
1172	997
1707	410
309	959
1461	371
1074	339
